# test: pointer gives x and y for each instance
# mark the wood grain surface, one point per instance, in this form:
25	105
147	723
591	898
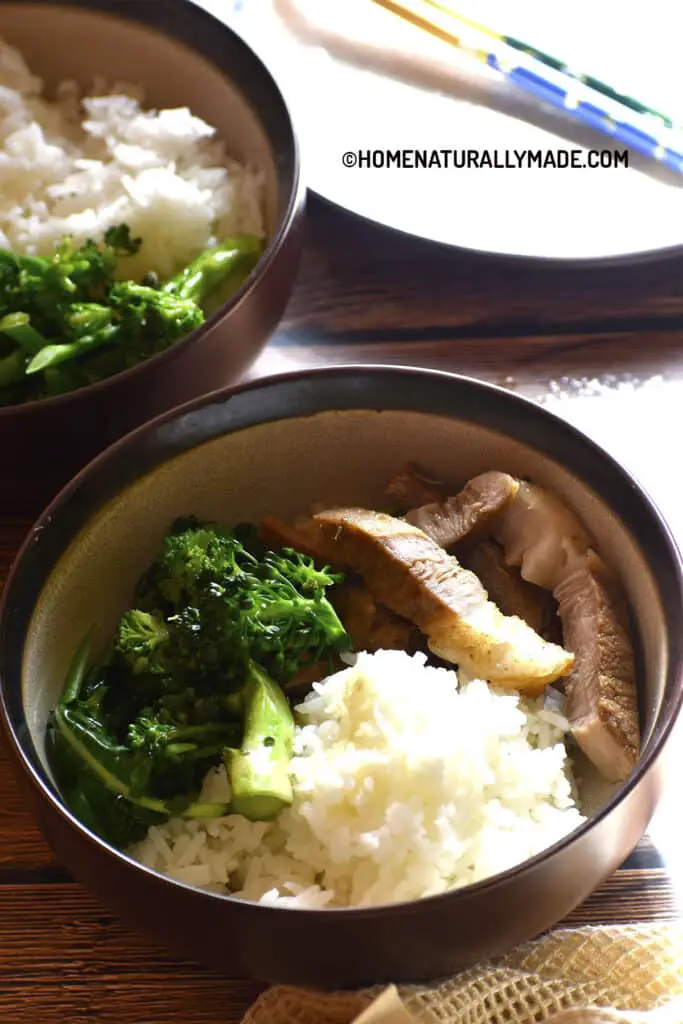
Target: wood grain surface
363	295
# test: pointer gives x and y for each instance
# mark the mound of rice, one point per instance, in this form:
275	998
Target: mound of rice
76	167
408	782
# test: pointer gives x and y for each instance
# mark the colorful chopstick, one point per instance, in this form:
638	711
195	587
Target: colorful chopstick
602	88
570	93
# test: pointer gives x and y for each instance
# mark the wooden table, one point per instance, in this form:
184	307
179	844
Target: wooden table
603	346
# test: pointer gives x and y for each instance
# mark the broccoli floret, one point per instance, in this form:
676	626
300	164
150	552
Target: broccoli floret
119	241
224	605
66	322
192	678
91	267
45	288
150	319
53	311
193	564
141	639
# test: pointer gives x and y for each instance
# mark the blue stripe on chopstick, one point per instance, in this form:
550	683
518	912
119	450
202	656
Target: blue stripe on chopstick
534	83
596	118
589	114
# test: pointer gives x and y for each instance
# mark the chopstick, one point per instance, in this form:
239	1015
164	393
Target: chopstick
584	98
555	63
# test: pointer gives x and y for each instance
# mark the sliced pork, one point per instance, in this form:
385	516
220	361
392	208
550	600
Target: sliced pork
467	515
548	543
600	691
371	626
303	535
409	573
541	536
512	594
415	486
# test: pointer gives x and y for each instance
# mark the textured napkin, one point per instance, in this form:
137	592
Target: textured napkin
629	974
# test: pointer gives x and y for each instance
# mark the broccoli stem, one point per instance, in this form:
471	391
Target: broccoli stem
200	810
54	355
87	746
259	770
17	326
12	368
212	267
78	669
58	382
36	264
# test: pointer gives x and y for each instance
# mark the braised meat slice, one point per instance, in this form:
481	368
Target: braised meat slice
541	536
371	626
547	541
415	486
414	577
468	514
600	691
304	535
512	594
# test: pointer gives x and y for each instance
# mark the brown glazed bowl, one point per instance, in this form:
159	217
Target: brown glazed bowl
184	57
330	435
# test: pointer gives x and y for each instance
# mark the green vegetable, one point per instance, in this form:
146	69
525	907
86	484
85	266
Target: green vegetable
91	326
11	368
110	785
211	269
225	600
142	638
259	770
153	317
66	322
17	326
44	288
192	679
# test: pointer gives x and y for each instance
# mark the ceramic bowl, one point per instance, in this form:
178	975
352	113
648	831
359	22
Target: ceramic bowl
333	436
183	57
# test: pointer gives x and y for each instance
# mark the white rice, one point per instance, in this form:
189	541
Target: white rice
408	782
76	167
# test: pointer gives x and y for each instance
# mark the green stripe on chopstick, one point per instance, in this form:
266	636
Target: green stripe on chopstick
593	83
555	63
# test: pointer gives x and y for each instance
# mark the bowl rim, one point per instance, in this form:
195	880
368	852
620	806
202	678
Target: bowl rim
212	24
377	377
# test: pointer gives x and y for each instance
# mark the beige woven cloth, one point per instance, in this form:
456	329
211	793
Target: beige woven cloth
630	974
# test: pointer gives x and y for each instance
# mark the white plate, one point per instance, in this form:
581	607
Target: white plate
391	100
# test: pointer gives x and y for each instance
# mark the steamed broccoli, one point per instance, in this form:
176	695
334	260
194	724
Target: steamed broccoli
66	322
224	601
231	263
142	639
118	789
45	288
259	770
192	678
